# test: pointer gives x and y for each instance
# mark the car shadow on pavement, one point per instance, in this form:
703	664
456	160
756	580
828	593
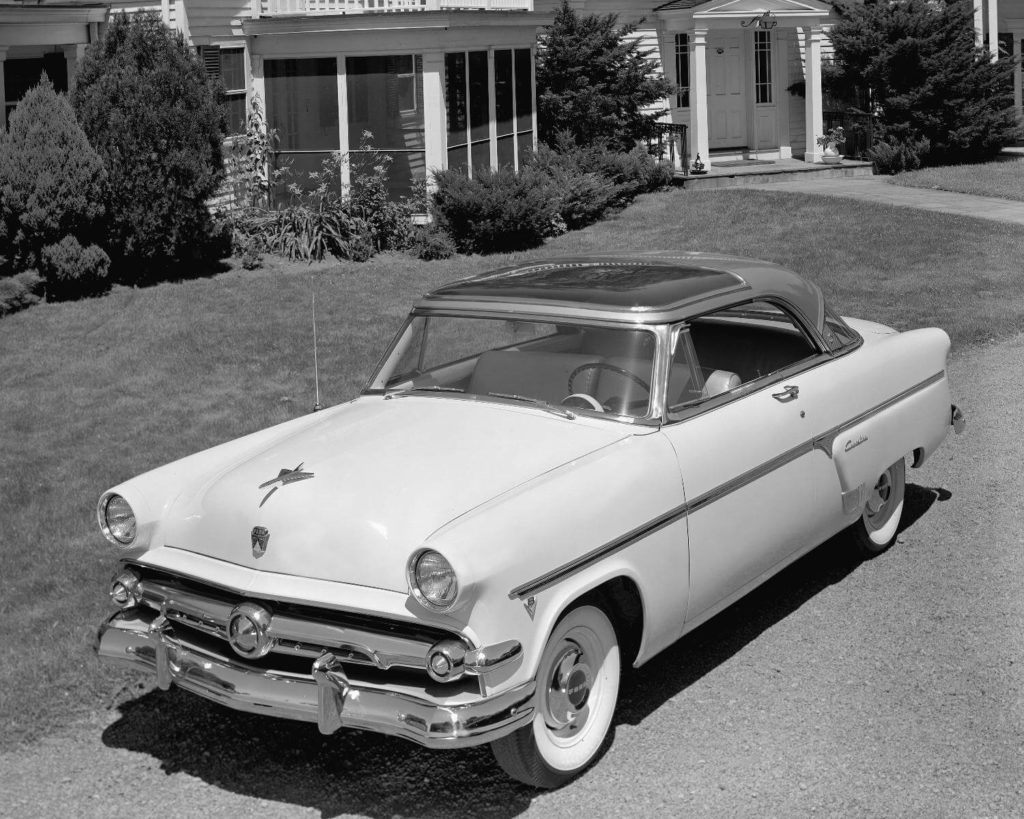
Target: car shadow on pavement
714	642
355	772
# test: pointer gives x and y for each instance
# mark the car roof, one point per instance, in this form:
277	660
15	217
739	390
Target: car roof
642	287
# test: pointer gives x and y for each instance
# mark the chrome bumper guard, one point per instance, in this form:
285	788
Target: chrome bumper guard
327	697
957	419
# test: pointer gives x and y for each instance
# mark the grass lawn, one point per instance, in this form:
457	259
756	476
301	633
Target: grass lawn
94	392
1003	179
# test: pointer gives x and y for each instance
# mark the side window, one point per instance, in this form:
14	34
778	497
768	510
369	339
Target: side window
724	350
838	334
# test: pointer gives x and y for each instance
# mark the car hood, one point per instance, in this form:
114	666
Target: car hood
370	483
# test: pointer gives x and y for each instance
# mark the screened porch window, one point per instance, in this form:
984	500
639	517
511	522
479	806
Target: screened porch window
468	96
763	66
302	106
683	70
385	98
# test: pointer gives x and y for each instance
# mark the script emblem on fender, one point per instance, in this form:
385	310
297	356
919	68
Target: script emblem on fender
284	477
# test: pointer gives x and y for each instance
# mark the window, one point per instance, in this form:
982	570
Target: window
605	371
468	95
763	66
683	70
302	105
384	99
21	75
228	65
719	353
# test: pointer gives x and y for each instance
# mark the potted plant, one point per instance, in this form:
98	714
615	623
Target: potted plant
829	141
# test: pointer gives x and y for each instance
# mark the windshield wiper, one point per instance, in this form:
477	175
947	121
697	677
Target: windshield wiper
428	388
561	412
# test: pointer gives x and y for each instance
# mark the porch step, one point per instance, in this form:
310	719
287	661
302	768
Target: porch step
783	171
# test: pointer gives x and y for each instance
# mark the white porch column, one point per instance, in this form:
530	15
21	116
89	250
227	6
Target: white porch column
3	90
435	132
813	109
993	29
698	136
979	23
73	56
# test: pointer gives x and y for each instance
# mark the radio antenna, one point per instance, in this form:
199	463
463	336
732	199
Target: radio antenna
316	364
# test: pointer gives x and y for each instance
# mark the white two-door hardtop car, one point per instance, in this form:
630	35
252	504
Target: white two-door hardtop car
557	468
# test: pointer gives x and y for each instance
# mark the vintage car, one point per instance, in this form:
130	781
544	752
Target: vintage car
555	469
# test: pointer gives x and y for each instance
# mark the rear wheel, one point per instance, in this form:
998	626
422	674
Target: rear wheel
878	524
577	688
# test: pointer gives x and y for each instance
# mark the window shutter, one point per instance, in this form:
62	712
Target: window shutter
211	59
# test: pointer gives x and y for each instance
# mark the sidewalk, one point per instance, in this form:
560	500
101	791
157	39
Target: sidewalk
876	189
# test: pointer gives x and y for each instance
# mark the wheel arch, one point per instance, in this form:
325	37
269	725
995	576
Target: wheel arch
620	599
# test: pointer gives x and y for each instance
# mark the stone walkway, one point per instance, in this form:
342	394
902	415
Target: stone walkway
876	189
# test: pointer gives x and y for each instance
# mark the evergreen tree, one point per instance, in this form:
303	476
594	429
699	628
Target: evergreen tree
593	82
146	104
51	196
929	83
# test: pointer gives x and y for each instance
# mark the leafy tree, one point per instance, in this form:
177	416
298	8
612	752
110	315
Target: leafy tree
594	82
147	106
52	186
928	82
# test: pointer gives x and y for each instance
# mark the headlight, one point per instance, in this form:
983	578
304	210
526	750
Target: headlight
432	580
117	520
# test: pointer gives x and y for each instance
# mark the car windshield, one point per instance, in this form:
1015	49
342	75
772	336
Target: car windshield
592	369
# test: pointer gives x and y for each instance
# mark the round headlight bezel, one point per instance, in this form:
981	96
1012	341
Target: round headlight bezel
413	575
121	532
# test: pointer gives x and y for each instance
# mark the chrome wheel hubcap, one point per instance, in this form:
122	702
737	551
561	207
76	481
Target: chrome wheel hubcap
568	689
879	500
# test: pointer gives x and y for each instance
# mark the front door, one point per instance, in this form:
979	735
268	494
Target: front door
727	102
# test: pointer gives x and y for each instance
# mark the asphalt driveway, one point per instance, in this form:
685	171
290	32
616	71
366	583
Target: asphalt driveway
888	688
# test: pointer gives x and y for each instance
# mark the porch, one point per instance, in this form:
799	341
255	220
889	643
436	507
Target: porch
727	171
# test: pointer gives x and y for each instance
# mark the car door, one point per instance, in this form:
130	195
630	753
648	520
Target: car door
743	425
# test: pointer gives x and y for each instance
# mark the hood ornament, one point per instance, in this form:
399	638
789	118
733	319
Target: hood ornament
260	537
284	477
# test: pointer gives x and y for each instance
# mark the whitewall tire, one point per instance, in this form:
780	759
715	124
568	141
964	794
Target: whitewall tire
880	521
577	689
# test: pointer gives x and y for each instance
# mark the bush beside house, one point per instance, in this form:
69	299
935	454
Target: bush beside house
595	85
52	186
939	98
146	105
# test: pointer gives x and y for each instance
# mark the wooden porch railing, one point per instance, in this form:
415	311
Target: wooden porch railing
859	128
670	138
273	8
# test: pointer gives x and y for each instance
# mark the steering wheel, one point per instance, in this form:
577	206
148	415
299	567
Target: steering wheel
600	365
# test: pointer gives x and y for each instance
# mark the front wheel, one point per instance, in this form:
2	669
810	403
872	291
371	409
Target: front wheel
877	527
577	688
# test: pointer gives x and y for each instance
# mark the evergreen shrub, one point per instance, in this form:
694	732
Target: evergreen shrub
144	100
927	80
497	210
19	291
595	83
52	186
73	271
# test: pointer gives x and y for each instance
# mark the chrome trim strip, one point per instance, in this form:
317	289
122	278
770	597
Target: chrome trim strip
823	442
827	440
749	477
580	563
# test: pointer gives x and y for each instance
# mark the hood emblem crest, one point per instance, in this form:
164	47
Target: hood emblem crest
260	537
284	477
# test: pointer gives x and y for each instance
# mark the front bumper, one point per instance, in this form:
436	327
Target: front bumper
135	638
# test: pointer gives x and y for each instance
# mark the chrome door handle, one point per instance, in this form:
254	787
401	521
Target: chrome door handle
788	394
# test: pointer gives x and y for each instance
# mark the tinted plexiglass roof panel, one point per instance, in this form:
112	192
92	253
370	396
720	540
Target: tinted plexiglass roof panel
631	285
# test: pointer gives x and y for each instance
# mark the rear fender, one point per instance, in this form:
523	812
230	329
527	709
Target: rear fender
916	419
